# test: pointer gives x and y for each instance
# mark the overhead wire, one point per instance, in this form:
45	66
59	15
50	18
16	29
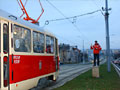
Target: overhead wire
68	40
21	7
77	28
98	7
25	3
74	17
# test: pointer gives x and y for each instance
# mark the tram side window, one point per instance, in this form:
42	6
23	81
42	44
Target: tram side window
49	44
22	39
5	38
38	42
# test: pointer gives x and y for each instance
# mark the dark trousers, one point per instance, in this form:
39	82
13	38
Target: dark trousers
96	57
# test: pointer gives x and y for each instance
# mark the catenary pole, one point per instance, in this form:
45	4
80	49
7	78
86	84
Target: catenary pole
107	37
83	54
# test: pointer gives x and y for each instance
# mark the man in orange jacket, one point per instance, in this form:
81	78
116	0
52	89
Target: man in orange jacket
96	49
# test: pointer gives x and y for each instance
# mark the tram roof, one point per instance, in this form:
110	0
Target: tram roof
18	20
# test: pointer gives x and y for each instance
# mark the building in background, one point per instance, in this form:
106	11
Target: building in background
69	54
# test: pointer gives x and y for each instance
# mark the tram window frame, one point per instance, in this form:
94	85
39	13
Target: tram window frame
5	37
0	37
50	45
0	52
56	47
38	42
5	49
22	40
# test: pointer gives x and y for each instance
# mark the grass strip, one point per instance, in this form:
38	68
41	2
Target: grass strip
107	81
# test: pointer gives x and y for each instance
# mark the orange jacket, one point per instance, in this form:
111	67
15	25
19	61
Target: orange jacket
96	48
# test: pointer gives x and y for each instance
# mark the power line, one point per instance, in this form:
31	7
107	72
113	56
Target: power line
73	16
98	7
68	40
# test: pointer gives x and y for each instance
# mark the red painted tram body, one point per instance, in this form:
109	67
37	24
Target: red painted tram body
27	53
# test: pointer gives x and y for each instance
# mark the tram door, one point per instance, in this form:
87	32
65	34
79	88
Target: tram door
4	55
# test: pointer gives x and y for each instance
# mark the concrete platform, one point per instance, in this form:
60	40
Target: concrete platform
95	71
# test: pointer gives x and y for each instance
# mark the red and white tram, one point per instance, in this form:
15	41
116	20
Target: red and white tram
27	53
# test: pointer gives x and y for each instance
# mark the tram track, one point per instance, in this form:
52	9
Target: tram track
71	69
72	74
66	74
63	78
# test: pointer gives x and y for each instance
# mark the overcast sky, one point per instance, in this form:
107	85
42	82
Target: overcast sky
88	28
